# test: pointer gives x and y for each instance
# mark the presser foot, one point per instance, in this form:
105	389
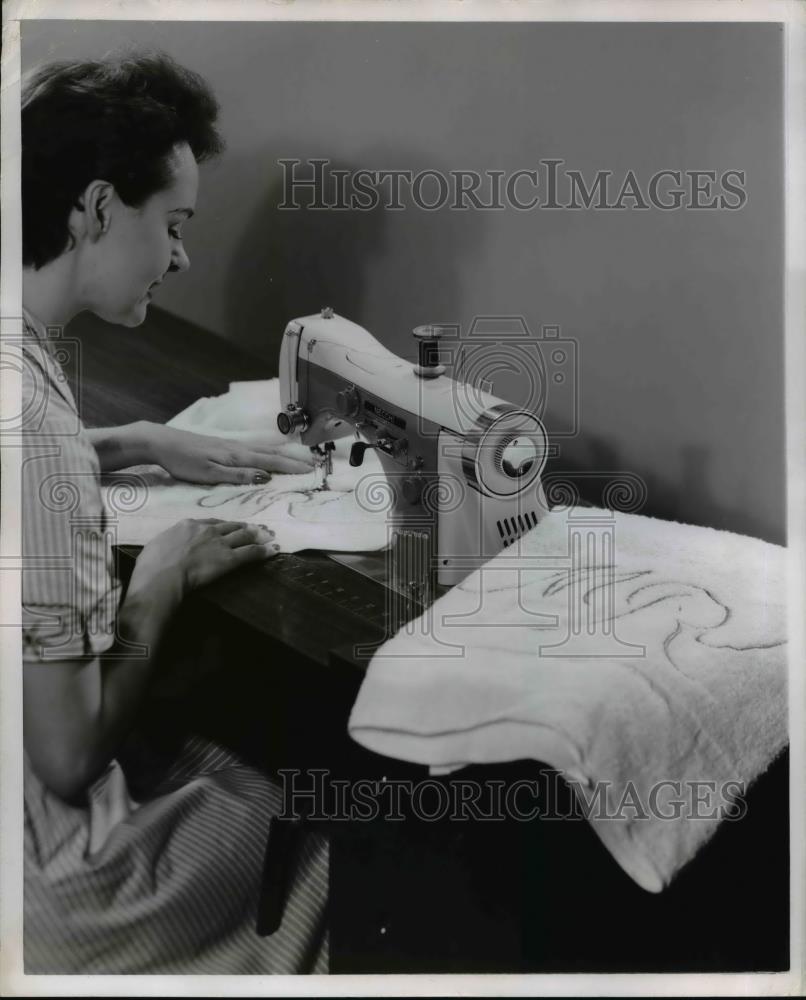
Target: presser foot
323	464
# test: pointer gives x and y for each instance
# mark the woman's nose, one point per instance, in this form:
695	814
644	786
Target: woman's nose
179	259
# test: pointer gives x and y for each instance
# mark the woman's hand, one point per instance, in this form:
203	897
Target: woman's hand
198	458
195	552
77	712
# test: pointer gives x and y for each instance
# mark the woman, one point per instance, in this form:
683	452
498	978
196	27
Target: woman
169	883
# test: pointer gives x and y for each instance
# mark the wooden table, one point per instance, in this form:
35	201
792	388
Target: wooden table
410	897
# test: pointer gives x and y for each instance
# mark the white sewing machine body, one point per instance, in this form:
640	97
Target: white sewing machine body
462	466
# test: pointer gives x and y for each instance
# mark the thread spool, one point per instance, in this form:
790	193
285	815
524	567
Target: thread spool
428	337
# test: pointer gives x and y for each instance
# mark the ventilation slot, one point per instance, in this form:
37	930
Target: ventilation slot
511	528
505	531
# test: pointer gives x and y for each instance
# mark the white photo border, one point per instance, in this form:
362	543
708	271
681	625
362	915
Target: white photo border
13	982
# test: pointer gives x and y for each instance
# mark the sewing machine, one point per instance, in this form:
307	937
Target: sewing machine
462	466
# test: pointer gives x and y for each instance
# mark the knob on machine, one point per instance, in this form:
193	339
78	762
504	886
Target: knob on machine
291	418
347	402
517	456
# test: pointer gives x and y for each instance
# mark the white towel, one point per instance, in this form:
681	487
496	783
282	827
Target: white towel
678	674
145	500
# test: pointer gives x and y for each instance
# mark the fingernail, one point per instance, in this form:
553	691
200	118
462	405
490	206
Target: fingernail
267	529
276	547
260	477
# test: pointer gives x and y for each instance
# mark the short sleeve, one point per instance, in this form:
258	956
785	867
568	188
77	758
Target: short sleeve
69	591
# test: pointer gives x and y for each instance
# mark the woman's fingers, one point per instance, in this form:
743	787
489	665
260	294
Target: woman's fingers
253	476
268	458
243	477
254	466
287	464
223	527
300	452
228	527
249	534
294	460
253	553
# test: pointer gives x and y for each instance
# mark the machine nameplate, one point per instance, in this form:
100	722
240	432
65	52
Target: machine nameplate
385	415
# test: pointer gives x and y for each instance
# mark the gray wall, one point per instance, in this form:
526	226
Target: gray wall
678	315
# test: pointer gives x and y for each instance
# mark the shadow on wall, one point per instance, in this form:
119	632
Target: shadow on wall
589	464
291	263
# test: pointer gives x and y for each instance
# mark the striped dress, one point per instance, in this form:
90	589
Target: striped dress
169	883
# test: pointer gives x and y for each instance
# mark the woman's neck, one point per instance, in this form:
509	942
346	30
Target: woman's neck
49	292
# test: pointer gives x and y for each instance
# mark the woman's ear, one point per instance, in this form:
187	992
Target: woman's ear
92	213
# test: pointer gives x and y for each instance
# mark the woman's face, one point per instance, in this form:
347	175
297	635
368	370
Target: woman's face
141	245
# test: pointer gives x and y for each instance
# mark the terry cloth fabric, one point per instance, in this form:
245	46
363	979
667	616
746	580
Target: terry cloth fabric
145	500
169	883
625	652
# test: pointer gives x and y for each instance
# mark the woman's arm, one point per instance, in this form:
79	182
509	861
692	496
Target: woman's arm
196	458
77	712
120	447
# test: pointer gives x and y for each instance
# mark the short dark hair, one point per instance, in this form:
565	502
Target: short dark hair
116	119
